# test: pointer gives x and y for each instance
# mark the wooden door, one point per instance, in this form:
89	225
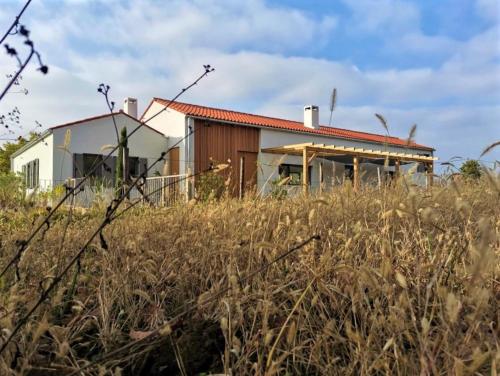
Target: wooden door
174	162
247	171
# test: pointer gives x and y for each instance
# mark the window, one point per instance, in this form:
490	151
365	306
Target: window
133	166
83	164
349	171
89	162
294	172
31	171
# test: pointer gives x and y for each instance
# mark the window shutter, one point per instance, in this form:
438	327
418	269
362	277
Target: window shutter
77	165
29	175
109	171
36	174
143	165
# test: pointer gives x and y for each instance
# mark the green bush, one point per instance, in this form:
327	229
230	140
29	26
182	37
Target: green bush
471	169
210	186
11	191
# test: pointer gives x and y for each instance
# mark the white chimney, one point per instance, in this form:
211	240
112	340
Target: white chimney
130	107
311	116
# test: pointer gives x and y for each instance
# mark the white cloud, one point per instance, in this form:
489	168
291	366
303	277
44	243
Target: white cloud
146	49
489	9
383	15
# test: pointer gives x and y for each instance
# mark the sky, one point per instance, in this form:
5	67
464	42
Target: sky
427	62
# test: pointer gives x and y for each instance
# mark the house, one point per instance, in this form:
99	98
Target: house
262	149
71	150
259	149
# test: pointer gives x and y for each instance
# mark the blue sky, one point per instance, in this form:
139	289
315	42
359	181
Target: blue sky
433	63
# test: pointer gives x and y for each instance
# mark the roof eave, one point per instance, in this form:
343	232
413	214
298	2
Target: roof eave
31	143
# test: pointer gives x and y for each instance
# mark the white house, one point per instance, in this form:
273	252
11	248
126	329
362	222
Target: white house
70	151
259	149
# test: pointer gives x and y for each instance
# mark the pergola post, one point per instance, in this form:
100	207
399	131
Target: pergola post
321	177
430	174
305	171
397	165
355	163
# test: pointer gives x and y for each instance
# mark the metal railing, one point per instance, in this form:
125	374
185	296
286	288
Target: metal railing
156	190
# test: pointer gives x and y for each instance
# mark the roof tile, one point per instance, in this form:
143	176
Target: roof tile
289	125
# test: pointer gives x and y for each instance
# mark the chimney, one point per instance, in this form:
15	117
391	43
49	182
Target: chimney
311	116
130	107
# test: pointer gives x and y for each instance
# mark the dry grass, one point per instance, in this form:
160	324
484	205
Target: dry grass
401	282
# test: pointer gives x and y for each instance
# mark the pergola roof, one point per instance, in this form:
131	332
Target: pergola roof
332	150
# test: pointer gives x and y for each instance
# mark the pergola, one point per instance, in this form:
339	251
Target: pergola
310	150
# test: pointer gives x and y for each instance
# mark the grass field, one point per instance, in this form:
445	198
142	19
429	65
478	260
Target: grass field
401	281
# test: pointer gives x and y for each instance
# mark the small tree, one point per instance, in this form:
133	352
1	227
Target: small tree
119	181
471	169
9	148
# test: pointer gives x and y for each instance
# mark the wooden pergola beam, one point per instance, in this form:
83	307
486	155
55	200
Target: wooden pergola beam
332	150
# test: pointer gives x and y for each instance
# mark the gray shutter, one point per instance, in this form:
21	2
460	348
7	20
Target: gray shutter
29	175
143	165
36	175
77	166
109	171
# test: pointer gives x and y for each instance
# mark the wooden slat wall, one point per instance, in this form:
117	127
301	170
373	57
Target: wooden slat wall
220	142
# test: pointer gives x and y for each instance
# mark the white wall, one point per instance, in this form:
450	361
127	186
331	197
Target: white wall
43	150
92	136
268	163
173	125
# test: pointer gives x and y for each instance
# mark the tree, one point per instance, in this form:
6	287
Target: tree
9	148
120	165
471	169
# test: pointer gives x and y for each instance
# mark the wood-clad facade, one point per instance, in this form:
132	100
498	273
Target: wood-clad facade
216	142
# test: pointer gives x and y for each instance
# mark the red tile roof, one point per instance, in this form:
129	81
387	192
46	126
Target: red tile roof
288	125
81	121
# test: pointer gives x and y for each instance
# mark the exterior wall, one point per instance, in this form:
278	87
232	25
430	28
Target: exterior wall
91	137
332	171
220	142
43	150
173	125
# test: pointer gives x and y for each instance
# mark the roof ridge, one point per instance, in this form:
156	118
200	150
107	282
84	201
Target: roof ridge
238	112
277	118
329	129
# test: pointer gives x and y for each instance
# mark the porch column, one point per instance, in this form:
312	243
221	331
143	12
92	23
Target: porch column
355	163
305	171
397	168
321	177
430	174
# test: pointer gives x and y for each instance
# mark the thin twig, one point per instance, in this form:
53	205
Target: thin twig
15	23
23	244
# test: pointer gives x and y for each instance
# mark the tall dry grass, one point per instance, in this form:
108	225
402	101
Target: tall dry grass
403	281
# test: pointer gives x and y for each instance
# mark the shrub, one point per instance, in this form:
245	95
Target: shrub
12	191
210	186
471	169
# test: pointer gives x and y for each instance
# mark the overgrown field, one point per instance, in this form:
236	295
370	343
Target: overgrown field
401	281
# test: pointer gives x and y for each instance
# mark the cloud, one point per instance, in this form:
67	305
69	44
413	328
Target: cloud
377	16
489	9
260	52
